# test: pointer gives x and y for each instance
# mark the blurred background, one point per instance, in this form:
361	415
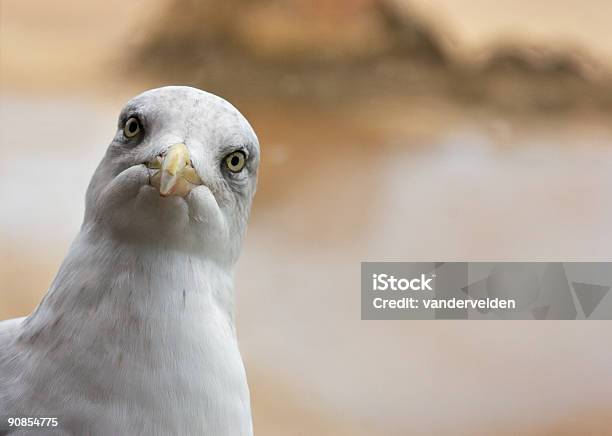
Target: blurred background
412	130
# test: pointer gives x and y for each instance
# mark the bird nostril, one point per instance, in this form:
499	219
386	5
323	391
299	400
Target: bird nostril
191	175
155	164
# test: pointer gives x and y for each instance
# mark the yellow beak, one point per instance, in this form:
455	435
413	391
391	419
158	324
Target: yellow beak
175	174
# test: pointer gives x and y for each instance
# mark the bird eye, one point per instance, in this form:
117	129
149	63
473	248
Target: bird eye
235	161
132	127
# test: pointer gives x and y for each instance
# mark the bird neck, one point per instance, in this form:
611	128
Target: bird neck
152	324
113	282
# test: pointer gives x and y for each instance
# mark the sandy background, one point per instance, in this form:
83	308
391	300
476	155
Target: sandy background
389	179
480	24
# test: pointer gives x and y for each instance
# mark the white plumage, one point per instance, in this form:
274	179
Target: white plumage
136	333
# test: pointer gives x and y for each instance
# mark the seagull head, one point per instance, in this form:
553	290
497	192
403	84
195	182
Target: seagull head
180	173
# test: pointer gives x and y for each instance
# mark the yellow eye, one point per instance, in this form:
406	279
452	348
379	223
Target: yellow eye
235	161
132	127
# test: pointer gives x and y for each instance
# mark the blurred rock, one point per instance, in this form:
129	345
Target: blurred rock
291	30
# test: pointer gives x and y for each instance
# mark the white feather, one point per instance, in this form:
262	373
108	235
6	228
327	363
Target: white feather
136	333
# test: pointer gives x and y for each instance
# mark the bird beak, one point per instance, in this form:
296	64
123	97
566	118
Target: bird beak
173	173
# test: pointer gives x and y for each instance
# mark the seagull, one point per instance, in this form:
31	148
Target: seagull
136	334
